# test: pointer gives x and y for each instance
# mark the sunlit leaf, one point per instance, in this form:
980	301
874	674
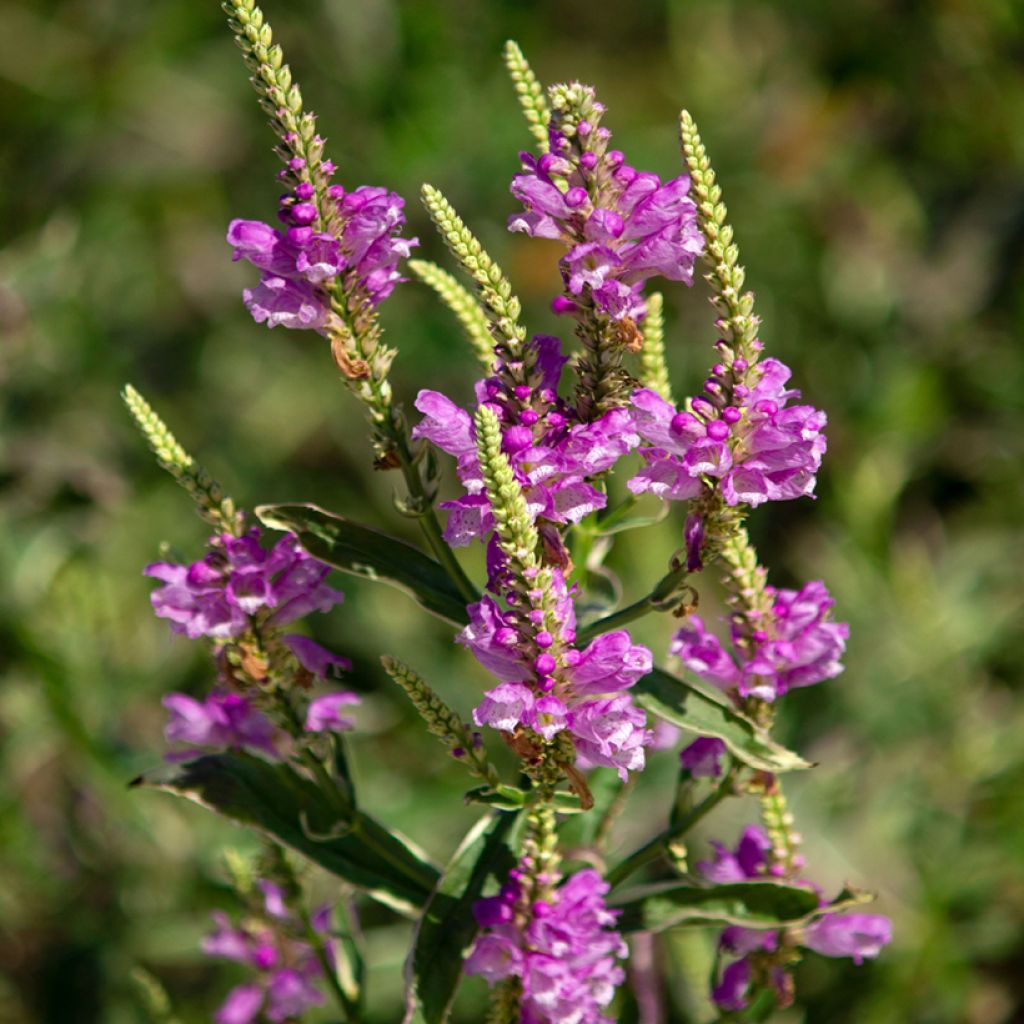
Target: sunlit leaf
706	713
363	551
275	800
447	928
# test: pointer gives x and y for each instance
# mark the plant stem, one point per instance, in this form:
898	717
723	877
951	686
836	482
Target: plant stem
659	599
348	1006
346	812
650	851
428	520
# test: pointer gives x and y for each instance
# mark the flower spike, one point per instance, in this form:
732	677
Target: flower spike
530	93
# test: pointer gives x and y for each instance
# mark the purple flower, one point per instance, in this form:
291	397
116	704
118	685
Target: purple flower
505	707
324	713
760	448
217	596
621	226
551	455
241	1006
371	219
314	658
800	646
222	721
578	691
287	968
748	860
731	992
610	732
298	265
858	936
563	948
703	757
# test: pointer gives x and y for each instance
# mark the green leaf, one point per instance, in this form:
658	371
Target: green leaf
362	551
511	798
702	711
749	904
275	800
447	928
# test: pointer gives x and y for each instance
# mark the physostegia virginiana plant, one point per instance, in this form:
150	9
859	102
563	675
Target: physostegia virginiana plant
571	692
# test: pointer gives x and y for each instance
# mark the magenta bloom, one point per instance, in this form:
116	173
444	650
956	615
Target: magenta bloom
622	226
564	949
217	596
799	647
761	449
857	936
325	713
297	262
287	968
223	721
580	691
552	455
703	757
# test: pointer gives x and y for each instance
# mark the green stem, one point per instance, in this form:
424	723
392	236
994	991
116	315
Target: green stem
348	1006
652	850
616	515
664	597
347	812
613	812
428	520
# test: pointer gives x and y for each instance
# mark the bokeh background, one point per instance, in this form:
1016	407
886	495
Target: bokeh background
871	154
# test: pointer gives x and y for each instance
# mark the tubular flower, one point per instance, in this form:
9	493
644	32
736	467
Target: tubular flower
552	454
799	646
562	947
287	969
622	226
298	264
761	953
760	449
239	582
548	685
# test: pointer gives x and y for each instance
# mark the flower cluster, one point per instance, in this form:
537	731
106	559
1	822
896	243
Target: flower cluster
553	456
361	250
287	968
759	448
239	590
240	582
762	954
548	685
799	646
561	946
622	226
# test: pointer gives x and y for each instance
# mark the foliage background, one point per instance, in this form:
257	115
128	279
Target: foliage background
871	155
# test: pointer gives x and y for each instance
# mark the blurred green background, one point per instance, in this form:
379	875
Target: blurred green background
871	154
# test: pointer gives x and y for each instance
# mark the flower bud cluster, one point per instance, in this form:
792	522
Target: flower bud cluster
763	955
287	968
559	943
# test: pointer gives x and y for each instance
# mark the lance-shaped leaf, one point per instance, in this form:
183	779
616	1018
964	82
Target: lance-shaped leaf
276	800
749	904
702	711
447	928
363	551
